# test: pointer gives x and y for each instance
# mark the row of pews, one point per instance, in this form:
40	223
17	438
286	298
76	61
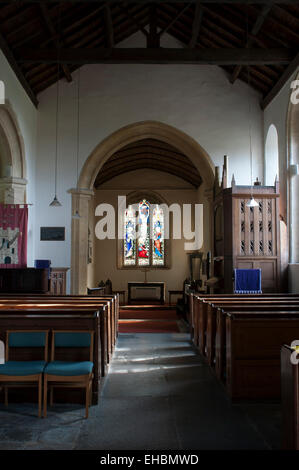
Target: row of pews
31	312
242	338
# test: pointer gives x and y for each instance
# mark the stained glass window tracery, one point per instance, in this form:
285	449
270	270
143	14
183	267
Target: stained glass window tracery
144	243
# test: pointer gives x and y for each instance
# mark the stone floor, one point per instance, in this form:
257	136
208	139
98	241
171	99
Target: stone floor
159	394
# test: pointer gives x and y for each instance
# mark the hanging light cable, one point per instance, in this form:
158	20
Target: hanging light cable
77	215
55	202
252	202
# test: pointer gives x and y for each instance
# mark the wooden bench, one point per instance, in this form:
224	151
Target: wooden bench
203	308
62	319
71	305
112	313
41	303
289	399
261	305
253	345
224	352
220	340
197	300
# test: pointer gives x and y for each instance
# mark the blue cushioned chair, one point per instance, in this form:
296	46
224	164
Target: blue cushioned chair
26	372
74	374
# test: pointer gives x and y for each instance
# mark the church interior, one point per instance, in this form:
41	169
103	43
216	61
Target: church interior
149	222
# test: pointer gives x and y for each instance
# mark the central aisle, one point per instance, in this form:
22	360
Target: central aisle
159	394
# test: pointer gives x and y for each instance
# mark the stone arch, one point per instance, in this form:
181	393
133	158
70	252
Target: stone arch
152	196
12	151
146	130
12	158
82	194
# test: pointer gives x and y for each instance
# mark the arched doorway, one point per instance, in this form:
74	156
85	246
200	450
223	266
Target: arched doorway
12	158
81	196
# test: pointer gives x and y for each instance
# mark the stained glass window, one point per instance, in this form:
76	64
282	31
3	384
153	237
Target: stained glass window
157	239
130	238
144	235
143	239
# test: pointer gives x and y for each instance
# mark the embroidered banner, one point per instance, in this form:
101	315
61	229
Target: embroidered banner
13	236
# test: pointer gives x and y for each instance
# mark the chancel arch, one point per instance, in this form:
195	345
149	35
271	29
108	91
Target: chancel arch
186	148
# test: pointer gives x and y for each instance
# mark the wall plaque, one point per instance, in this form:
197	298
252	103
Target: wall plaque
54	234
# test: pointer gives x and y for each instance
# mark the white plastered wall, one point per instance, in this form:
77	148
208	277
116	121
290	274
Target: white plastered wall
198	100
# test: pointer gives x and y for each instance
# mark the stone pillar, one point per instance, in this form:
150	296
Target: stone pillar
294	198
294	184
13	190
79	248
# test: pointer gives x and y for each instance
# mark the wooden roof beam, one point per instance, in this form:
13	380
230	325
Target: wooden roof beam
196	24
255	30
17	70
134	20
146	2
109	26
153	39
47	19
212	56
292	67
174	20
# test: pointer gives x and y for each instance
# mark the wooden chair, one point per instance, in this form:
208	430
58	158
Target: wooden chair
69	374
25	373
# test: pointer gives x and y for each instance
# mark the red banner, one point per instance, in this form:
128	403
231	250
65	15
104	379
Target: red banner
13	236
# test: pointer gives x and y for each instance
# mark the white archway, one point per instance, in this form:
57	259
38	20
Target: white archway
111	144
145	130
271	156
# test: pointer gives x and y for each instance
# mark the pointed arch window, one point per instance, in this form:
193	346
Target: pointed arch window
144	243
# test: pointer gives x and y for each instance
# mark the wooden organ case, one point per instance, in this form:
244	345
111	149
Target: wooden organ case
246	237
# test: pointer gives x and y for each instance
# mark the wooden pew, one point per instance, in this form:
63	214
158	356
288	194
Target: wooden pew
60	305
61	318
201	311
205	320
220	339
289	399
253	343
114	297
198	313
112	312
244	335
264	305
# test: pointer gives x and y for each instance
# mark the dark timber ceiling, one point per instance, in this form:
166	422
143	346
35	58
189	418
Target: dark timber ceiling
149	153
35	35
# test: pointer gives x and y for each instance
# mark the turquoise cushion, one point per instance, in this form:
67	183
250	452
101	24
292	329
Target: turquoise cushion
24	339
72	340
69	368
19	368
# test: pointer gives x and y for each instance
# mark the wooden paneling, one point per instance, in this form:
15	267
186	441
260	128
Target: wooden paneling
58	281
250	237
